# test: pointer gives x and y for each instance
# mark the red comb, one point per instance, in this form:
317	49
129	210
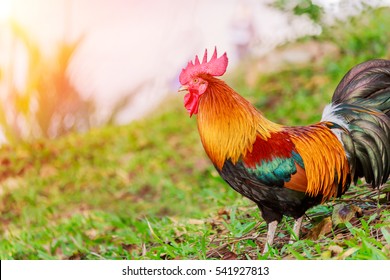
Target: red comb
215	67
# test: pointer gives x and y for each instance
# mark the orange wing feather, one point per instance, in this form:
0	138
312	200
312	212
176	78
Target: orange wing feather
326	164
298	181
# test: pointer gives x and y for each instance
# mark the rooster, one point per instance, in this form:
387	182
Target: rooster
286	170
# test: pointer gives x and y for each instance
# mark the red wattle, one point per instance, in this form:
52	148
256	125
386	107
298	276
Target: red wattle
191	103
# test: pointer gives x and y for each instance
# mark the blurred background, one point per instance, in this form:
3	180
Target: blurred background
98	157
70	65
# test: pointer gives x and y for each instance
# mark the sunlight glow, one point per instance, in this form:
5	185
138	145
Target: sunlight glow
5	9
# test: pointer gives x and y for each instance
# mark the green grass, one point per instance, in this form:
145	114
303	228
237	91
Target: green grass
110	193
147	190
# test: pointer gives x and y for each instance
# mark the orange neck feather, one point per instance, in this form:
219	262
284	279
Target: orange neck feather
228	124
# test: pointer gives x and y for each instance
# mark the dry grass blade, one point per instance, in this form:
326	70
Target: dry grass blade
222	248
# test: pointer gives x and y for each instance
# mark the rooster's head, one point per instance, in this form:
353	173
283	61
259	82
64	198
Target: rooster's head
194	78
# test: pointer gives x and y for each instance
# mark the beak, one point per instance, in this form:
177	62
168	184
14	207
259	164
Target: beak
183	89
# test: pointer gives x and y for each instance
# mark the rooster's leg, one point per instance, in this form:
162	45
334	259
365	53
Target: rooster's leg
270	235
296	230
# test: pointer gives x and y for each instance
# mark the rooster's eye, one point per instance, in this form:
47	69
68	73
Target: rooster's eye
196	81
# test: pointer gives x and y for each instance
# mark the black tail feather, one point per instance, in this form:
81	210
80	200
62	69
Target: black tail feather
367	81
361	104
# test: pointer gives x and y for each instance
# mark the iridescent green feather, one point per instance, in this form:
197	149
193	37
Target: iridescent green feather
277	171
362	101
